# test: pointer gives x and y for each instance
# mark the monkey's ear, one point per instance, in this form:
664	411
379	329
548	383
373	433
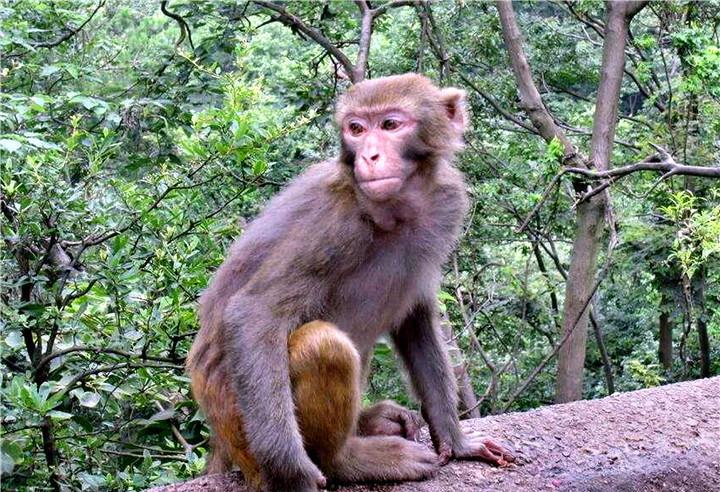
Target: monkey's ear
455	102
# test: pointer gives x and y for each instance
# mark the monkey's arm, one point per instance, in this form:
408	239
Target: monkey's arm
259	356
419	345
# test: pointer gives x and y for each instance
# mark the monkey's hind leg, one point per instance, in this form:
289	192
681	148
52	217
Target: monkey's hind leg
325	375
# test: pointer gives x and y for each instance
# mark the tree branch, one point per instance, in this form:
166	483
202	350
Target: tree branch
366	26
98	350
490	100
70	32
662	161
378	11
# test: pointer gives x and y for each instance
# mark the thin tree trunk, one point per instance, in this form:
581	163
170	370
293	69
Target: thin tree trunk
555	306
50	452
665	345
468	401
591	214
607	365
466	394
701	322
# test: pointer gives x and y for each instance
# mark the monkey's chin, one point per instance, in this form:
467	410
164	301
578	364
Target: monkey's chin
380	190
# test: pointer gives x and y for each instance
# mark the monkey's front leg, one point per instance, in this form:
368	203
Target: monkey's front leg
418	342
258	348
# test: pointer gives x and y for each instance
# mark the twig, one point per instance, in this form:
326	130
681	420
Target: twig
296	22
99	350
662	161
611	247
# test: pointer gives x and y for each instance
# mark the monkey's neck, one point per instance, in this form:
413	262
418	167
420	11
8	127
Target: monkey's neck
406	208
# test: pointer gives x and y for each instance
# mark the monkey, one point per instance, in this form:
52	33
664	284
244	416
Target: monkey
350	250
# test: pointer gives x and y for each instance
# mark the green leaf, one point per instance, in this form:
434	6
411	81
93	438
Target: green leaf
58	415
48	70
10	145
259	167
89	399
14	339
446	297
41	144
163	415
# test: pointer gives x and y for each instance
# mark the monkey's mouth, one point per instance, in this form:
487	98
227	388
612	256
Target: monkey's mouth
381	188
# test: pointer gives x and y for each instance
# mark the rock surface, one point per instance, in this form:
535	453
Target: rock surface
659	439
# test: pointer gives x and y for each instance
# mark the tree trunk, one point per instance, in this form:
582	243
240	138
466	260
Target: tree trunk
50	451
701	322
666	342
581	275
590	215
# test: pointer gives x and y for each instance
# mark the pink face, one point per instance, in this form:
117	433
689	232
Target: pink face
378	140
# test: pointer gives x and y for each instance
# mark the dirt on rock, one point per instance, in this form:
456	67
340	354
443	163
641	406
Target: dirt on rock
659	439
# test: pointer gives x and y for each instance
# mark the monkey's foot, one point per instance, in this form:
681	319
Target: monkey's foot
387	418
384	458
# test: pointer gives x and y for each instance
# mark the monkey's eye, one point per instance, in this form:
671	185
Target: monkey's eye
390	124
356	128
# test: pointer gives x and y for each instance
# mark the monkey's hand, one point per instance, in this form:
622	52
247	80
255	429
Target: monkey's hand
387	418
476	447
306	477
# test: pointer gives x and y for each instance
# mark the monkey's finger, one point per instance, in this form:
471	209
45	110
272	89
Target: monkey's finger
498	449
411	427
392	427
489	451
444	454
493	446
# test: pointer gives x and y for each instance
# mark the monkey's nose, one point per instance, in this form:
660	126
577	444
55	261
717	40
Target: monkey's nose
371	158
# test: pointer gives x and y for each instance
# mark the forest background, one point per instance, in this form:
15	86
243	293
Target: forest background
138	138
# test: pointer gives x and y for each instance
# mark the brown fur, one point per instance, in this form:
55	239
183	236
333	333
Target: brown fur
280	389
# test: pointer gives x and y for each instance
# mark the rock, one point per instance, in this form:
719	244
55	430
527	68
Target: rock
658	439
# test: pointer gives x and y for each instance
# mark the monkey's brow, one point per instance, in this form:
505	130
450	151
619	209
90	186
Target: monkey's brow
377	109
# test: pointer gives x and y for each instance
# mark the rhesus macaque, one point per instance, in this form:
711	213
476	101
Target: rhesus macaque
350	250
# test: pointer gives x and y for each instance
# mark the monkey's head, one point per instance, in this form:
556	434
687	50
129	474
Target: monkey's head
394	126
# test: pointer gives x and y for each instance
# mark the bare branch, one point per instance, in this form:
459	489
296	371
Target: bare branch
295	22
530	98
661	162
566	336
98	350
184	28
378	11
505	113
113	367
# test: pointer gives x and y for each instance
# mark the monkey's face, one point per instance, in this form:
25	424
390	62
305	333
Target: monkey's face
377	145
393	126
